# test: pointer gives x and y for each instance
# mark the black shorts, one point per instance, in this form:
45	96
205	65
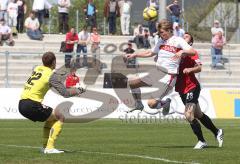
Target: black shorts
34	110
192	96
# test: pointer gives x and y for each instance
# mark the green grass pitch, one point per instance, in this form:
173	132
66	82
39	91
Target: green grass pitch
117	141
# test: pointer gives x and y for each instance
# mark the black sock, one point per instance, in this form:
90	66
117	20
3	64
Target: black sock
207	122
196	127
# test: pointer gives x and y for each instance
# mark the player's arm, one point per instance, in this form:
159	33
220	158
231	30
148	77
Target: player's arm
189	52
56	83
145	54
196	69
181	53
186	49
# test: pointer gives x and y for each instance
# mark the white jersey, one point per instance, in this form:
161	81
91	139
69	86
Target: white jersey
166	50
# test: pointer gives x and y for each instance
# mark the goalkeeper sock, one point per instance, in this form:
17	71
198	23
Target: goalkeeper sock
54	132
207	122
196	127
46	130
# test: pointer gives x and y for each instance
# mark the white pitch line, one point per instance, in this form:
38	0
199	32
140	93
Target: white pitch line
113	154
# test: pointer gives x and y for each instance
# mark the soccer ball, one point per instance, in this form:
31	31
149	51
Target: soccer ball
150	14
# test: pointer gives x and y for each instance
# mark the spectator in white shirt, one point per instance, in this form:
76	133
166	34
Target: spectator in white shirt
39	7
84	39
125	11
32	27
5	33
12	10
63	10
177	30
216	28
3	9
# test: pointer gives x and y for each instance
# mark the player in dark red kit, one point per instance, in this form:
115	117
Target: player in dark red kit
189	89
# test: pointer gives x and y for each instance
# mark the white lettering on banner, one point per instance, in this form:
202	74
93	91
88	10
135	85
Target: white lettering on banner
10	98
10	110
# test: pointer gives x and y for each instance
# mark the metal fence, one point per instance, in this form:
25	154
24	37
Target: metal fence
29	60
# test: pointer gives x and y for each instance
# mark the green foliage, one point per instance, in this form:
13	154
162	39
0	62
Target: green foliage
195	14
78	5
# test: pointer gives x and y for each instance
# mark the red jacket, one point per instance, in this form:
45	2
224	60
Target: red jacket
71	37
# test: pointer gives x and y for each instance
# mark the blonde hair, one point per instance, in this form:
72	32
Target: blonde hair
166	25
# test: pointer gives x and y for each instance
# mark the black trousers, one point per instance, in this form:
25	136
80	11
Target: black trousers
63	22
20	22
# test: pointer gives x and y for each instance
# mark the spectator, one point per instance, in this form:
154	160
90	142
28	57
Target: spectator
72	79
3	9
95	39
12	10
131	63
39	8
214	30
71	39
95	48
177	30
90	11
63	10
22	9
218	42
32	27
125	11
138	36
175	11
216	27
84	38
146	43
111	12
129	49
152	23
5	33
141	37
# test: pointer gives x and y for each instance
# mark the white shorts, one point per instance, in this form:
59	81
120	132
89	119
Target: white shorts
161	80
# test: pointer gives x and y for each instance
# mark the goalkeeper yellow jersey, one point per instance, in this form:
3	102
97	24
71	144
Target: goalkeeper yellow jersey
37	85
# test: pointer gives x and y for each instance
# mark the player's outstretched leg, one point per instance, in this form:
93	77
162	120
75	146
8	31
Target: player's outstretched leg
136	93
160	104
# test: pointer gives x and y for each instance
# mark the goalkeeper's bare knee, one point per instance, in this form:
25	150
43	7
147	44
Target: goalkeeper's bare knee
59	116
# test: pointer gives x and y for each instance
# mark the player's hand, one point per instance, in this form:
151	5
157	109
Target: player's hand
187	70
129	56
178	55
81	87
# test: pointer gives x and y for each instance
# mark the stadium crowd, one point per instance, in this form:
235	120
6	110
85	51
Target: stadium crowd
13	20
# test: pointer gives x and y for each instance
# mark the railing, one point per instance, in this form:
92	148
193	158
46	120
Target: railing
107	58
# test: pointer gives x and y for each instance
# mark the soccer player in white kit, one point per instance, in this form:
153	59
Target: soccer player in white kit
169	51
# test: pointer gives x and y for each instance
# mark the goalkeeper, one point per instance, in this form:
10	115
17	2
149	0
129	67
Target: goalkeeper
35	89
